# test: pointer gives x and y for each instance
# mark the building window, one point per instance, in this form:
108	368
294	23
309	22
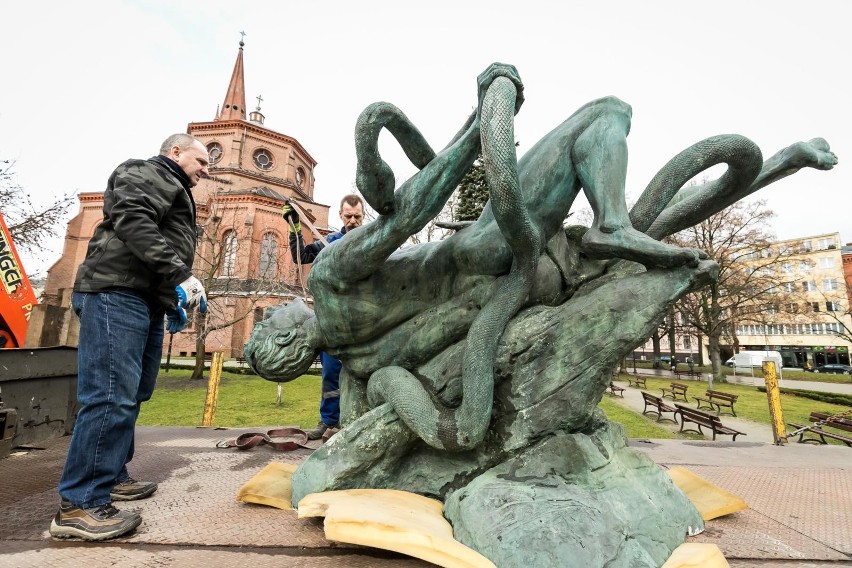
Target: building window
825	244
214	151
792	308
687	342
229	254
269	256
829	284
786	267
832	306
300	177
809	286
815	306
789	287
806	246
262	159
805	265
826	262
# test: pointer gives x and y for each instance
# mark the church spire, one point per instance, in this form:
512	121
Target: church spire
234	107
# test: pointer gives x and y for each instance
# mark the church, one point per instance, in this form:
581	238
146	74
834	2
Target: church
242	256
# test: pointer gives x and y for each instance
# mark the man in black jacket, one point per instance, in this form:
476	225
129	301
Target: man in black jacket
137	269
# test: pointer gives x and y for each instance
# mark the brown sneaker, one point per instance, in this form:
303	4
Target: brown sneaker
317	432
331	431
131	490
96	523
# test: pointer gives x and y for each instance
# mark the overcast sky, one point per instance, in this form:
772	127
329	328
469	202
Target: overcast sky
87	85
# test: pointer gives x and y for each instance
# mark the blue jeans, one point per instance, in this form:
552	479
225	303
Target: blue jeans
330	402
118	359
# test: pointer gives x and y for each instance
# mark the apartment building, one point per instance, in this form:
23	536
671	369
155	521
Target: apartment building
805	330
807	323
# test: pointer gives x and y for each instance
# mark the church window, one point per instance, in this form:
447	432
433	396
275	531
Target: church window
262	159
229	254
269	256
214	151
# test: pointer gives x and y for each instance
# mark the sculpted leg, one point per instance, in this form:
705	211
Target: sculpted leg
600	157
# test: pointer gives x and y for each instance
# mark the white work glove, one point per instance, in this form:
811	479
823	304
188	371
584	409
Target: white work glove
190	294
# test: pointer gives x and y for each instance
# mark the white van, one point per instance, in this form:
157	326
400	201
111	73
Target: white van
756	359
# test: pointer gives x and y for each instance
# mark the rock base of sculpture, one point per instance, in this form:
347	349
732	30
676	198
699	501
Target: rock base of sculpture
586	497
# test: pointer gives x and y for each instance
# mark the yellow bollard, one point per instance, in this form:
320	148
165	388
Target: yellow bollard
773	393
212	389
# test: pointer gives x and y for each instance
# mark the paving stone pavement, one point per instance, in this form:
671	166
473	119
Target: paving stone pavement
800	512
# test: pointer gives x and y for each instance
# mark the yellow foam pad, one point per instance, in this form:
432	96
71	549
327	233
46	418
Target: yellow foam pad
392	520
696	555
270	486
711	500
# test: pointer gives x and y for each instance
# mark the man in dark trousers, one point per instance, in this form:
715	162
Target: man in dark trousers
352	216
137	271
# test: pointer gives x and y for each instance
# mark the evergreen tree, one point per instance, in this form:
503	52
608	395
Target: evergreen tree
472	193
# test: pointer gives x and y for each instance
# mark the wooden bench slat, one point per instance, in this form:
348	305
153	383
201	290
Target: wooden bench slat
614	389
715	400
840	423
675	391
637	381
701	418
656	402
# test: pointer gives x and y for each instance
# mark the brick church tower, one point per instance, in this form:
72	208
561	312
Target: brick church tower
242	255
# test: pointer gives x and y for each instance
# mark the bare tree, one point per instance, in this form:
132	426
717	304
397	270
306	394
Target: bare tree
31	227
225	246
754	277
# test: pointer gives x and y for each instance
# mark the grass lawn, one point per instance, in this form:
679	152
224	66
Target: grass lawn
248	400
635	425
244	400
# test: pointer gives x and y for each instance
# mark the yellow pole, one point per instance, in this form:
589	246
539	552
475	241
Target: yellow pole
773	394
212	389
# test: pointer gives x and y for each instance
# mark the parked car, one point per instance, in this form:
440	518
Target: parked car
730	362
834	368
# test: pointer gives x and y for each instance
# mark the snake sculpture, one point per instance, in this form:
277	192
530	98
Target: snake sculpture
349	319
466	425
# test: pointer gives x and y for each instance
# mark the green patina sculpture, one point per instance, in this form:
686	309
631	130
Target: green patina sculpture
473	366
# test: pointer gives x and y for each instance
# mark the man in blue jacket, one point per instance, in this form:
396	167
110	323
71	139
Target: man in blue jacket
352	216
136	271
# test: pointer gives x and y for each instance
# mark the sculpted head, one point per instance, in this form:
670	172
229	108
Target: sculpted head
281	346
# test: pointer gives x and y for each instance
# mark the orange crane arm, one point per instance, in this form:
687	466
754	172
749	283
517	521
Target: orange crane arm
16	294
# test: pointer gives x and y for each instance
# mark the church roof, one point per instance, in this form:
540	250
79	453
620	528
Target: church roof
234	107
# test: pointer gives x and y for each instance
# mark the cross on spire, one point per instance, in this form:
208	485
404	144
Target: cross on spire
242	37
259	100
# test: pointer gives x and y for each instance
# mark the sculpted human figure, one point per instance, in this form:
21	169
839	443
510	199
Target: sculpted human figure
438	356
365	285
350	282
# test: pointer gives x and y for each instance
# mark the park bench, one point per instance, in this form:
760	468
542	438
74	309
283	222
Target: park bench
637	381
659	404
675	391
614	389
688	374
821	421
705	419
241	360
715	400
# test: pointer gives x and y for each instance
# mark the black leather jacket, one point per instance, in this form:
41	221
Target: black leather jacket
146	241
